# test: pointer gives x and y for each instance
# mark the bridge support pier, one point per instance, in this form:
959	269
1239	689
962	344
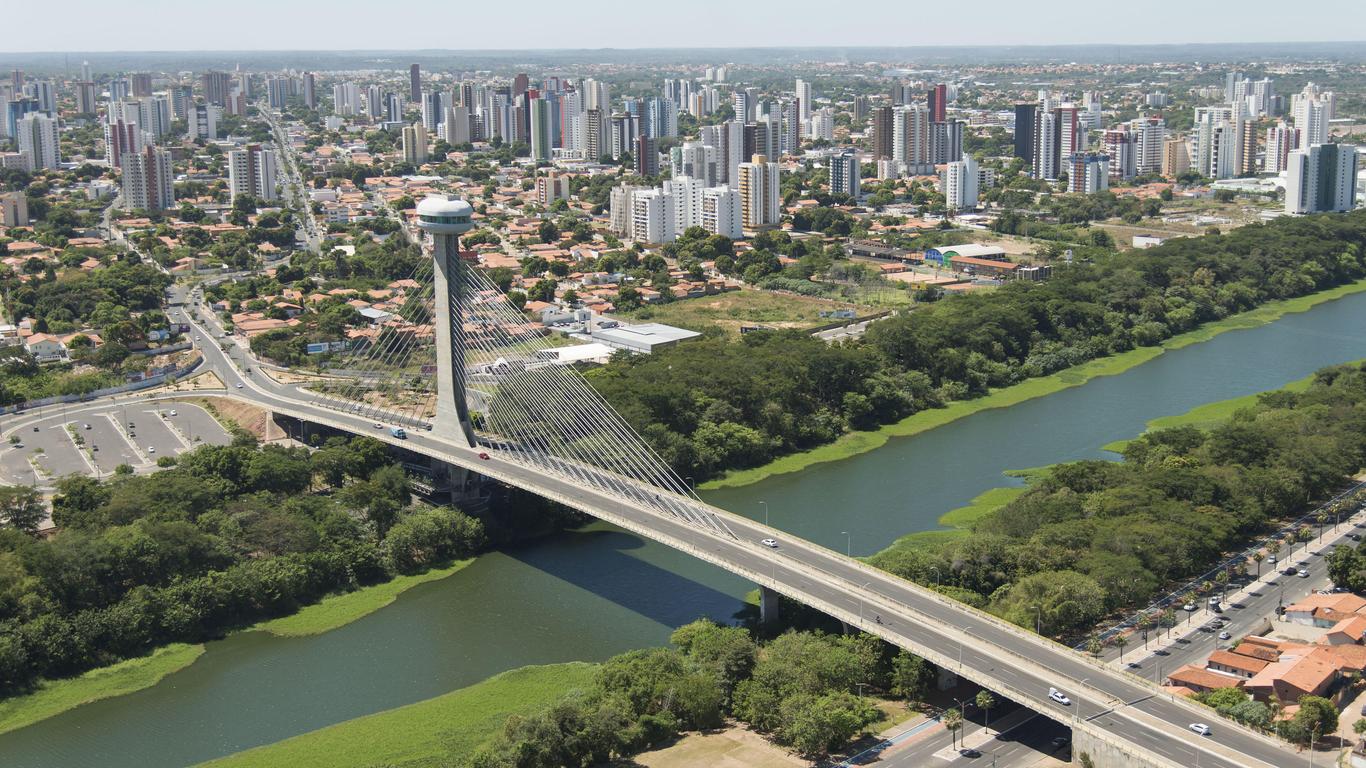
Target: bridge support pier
768	605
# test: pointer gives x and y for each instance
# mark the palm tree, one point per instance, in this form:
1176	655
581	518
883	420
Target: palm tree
1258	557
1120	642
985	701
953	720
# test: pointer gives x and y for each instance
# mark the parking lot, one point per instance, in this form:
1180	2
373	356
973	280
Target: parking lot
95	439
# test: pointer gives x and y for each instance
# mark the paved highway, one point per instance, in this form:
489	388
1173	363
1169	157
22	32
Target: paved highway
1017	664
1245	611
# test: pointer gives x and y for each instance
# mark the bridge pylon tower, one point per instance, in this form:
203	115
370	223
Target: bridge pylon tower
446	218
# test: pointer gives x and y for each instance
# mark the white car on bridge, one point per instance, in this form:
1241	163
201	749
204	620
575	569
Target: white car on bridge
1059	696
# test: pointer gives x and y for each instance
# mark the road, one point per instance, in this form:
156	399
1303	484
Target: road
1245	612
1017	664
1026	740
294	188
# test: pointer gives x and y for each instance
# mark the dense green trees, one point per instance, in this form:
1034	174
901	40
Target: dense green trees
1092	537
719	404
227	537
802	687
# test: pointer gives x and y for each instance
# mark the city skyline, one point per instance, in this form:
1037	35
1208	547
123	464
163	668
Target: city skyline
994	22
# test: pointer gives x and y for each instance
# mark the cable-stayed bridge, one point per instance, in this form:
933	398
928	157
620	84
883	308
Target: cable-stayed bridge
465	376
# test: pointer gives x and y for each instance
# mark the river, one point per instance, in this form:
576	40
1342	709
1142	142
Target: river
598	591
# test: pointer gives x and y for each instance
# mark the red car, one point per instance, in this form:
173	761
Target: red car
483	455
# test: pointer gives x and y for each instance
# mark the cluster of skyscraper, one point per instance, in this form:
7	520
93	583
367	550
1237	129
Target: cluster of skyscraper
912	137
30	121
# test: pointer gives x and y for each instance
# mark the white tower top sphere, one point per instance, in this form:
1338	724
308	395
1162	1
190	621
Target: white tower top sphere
445	215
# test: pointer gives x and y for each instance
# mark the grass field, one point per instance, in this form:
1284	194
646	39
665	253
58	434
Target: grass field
342	609
54	697
733	309
428	734
981	505
854	443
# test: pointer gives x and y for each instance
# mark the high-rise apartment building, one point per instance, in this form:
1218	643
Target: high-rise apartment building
1321	178
646	155
1119	144
937	101
215	86
431	110
911	140
695	160
1312	109
661	119
13	209
37	138
729	141
278	91
202	122
346	99
1024	131
1087	172
1311	120
148	180
15	111
883	133
721	212
790	127
803	92
550	187
141	83
122	136
596	143
541	142
1150	134
1280	140
251	171
844	174
625	131
1045	152
456	126
958	182
414	83
415	144
1176	158
310	90
86	97
759	196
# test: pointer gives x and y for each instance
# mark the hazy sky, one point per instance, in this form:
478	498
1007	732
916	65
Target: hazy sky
133	25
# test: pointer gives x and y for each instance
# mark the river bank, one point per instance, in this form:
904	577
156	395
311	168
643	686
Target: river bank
435	730
54	697
855	443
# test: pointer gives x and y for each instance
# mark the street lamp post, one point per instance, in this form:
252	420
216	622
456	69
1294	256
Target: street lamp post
848	544
764	504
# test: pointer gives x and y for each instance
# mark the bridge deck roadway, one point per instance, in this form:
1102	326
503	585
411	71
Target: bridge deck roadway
1113	706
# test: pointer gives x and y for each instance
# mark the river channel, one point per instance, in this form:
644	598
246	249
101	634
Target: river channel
598	591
